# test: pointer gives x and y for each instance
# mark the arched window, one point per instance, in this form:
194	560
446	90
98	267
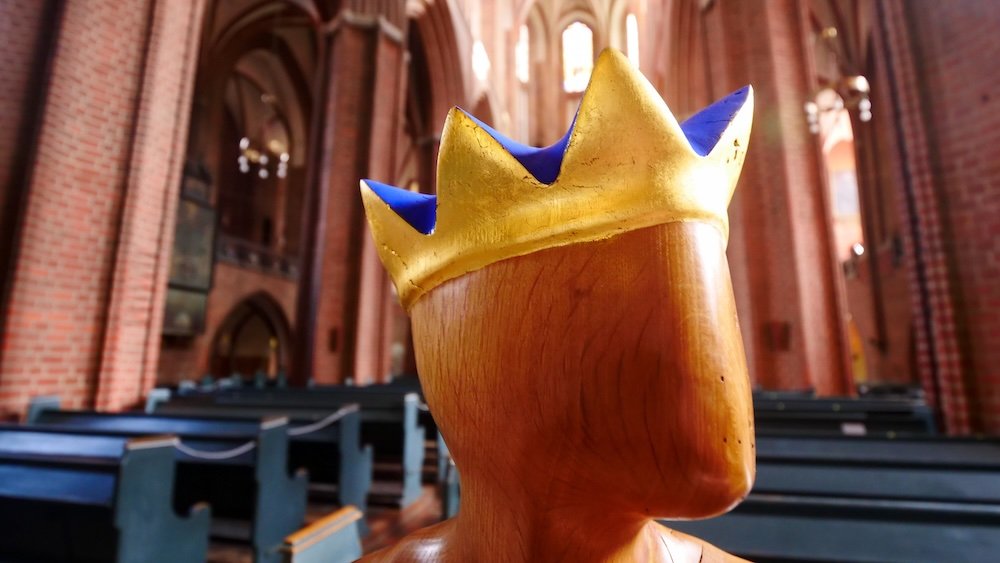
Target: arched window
632	38
578	56
522	64
480	61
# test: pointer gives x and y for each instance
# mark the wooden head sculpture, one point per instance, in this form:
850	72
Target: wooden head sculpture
575	328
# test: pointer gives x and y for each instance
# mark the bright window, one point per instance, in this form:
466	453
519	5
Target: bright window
632	38
578	56
480	61
521	61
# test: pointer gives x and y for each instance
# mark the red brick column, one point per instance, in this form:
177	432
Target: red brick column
87	294
341	300
954	42
25	54
780	243
135	313
939	357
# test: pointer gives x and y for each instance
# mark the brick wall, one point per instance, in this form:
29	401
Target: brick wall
87	289
349	338
955	49
779	244
20	57
145	236
190	359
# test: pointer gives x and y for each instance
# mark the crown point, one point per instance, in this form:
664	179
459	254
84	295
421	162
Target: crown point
544	163
625	164
417	209
704	129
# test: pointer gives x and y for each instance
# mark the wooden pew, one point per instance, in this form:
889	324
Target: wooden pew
325	442
239	467
439	456
65	497
389	422
450	491
332	539
767	395
773	528
862	498
869	450
840	415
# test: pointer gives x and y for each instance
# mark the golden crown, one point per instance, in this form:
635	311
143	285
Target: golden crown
625	164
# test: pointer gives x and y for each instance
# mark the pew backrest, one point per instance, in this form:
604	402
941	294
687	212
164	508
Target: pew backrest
278	500
336	433
390	422
68	496
869	451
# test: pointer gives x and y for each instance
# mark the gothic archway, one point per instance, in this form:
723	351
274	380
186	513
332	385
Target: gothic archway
255	337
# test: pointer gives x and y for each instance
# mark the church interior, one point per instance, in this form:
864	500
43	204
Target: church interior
202	357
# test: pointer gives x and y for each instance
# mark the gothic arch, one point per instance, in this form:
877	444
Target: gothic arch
255	336
446	44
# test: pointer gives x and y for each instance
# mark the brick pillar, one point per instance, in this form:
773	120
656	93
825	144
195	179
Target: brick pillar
780	240
87	293
341	300
939	360
25	56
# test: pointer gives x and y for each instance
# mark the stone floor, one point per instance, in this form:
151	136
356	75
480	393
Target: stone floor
386	526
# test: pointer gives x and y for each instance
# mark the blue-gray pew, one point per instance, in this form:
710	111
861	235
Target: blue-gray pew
865	499
65	497
332	539
389	422
239	467
403	385
450	491
776	528
325	442
839	415
913	451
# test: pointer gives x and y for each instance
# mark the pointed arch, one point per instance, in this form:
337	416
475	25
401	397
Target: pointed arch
255	335
446	44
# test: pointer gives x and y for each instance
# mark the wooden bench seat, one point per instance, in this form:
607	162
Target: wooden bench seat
332	454
331	539
437	455
239	467
89	498
901	482
933	452
775	528
389	423
840	415
865	499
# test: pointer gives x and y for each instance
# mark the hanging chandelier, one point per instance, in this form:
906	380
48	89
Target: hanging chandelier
264	158
851	93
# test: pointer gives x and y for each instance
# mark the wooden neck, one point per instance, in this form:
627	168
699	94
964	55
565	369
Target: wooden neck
515	524
583	390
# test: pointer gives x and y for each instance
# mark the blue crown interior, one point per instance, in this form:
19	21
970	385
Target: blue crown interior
702	130
419	210
542	162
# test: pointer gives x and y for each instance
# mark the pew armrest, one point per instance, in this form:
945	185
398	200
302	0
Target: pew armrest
40	404
332	539
155	398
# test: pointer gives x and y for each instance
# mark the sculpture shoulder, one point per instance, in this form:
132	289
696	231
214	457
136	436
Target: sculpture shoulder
432	545
425	545
687	548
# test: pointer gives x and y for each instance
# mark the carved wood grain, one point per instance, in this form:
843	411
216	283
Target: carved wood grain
584	391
